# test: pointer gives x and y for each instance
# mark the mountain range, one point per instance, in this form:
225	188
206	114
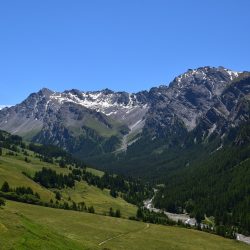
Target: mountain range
189	139
125	129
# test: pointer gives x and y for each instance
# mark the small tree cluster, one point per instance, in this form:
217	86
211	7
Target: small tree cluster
113	213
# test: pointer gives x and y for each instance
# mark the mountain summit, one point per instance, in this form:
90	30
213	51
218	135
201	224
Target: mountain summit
201	101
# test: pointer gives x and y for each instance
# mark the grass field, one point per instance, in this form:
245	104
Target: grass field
95	172
11	171
24	226
100	199
11	168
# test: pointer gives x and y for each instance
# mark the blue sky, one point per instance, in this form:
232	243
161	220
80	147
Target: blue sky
118	44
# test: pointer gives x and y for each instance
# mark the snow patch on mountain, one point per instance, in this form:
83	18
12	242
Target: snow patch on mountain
233	74
121	106
105	103
203	73
2	106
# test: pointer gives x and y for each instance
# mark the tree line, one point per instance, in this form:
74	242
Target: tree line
131	190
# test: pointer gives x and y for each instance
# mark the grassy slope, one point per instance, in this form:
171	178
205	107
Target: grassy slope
19	232
26	226
100	199
11	168
95	172
11	171
100	128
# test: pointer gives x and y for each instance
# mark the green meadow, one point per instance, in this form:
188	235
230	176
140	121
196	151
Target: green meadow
11	168
24	226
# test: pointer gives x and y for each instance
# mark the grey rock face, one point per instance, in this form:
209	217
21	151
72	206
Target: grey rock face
203	100
230	110
188	97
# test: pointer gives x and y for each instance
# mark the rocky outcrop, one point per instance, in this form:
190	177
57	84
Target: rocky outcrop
200	102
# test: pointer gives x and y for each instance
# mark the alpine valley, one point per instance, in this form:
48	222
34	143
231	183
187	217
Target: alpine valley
188	140
200	107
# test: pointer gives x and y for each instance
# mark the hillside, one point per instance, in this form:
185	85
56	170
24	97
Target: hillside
26	226
13	166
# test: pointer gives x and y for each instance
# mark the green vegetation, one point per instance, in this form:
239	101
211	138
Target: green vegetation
50	179
2	201
12	168
211	178
218	185
48	160
19	232
95	171
25	226
100	128
99	199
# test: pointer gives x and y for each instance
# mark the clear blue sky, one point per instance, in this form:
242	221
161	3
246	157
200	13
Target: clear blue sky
118	44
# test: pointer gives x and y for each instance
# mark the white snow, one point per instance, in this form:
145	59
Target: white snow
2	106
232	74
203	72
101	102
211	130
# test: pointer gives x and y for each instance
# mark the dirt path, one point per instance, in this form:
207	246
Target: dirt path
119	235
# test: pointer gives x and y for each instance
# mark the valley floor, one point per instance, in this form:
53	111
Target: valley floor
24	226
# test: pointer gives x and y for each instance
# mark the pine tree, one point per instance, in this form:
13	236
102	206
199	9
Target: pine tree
139	213
111	212
91	210
5	187
58	195
2	202
118	213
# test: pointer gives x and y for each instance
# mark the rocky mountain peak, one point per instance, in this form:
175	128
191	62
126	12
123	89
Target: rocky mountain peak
107	91
165	111
188	97
201	75
45	92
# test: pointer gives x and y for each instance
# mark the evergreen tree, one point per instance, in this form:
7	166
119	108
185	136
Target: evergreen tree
113	193
58	195
5	187
139	213
82	206
74	207
2	202
111	212
62	164
65	205
37	195
118	213
91	210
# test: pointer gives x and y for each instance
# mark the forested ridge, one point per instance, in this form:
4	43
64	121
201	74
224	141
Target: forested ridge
216	184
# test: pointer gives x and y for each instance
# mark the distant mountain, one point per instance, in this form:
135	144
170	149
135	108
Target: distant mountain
118	125
83	122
